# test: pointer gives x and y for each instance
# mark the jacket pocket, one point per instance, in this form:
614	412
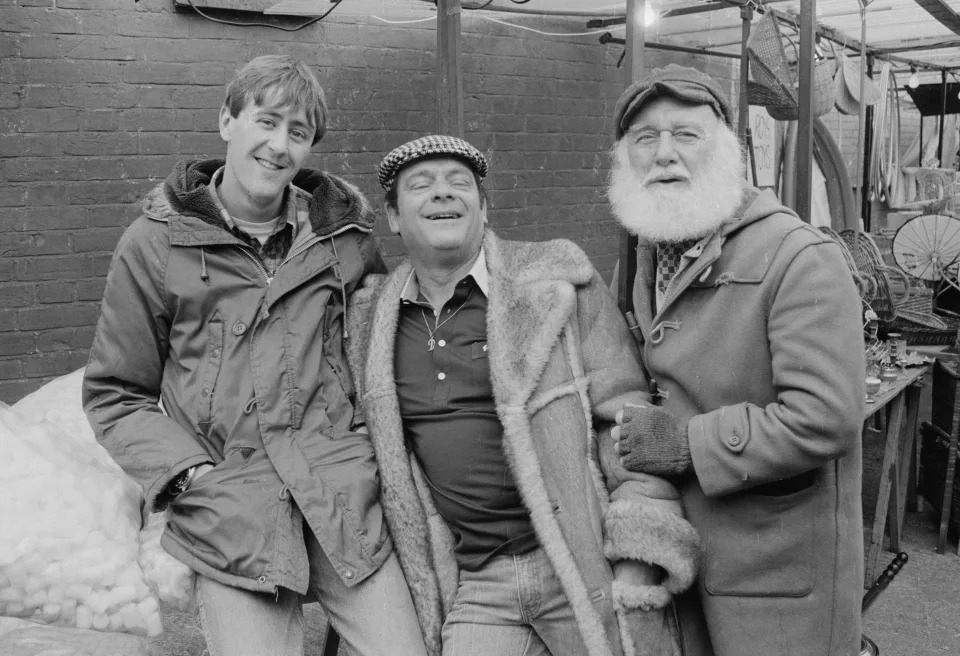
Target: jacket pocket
233	517
210	371
760	545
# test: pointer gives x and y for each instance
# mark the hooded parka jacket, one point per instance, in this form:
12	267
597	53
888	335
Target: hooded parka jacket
251	374
562	363
758	350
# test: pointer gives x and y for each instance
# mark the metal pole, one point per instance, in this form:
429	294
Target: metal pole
862	119
743	112
635	68
943	111
808	12
865	180
449	80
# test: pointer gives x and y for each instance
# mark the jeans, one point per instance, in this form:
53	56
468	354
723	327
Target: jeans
374	618
512	606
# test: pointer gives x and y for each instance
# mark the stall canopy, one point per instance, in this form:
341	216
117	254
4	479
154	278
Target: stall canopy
922	34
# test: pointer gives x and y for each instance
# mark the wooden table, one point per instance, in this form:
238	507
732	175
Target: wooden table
901	398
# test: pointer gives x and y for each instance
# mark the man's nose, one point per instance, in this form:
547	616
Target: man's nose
279	140
442	189
666	147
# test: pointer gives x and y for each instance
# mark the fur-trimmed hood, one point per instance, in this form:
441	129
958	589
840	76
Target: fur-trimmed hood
334	204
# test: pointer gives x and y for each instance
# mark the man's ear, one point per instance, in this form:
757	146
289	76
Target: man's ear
393	219
225	121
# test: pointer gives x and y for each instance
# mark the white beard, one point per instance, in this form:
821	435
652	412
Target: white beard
664	214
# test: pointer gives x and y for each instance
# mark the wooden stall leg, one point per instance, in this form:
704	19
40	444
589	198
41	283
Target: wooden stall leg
888	472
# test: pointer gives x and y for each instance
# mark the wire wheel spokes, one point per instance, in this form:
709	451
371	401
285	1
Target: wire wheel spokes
928	247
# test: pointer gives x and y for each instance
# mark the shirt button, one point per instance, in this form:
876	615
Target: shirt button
239	328
441	376
442	343
205	392
216	353
348	574
734	440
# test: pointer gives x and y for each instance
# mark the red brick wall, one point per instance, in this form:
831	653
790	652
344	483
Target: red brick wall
98	98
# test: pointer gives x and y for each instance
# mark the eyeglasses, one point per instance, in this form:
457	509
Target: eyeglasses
649	138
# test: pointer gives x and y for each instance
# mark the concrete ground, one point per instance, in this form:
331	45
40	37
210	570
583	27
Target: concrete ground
919	612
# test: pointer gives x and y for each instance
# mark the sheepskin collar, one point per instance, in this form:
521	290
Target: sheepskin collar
532	294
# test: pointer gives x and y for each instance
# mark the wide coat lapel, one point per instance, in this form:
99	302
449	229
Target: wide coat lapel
533	299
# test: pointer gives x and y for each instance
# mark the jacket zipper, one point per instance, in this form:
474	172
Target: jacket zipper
304	246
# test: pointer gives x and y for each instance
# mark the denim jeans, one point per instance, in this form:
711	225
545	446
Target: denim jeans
374	618
512	606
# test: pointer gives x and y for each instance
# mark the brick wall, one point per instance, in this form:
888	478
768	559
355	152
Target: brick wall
98	99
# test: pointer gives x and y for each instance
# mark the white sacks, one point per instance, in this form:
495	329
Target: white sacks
70	550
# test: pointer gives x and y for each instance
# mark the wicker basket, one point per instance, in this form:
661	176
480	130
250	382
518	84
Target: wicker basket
865	285
917	334
870	264
775	76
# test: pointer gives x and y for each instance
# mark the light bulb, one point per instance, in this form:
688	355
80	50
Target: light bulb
914	81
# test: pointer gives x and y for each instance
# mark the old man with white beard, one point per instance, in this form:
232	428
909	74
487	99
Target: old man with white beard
751	331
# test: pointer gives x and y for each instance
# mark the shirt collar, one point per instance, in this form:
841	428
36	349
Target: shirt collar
411	288
287	209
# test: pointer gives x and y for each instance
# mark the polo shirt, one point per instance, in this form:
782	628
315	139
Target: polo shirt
450	420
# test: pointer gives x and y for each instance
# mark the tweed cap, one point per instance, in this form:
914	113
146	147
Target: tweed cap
681	82
434	144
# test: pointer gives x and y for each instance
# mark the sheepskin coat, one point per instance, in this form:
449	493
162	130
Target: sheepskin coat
562	363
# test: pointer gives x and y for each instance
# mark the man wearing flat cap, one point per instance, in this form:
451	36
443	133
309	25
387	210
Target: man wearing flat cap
491	371
750	328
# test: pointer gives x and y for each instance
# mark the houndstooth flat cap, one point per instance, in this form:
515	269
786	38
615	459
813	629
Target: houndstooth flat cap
434	144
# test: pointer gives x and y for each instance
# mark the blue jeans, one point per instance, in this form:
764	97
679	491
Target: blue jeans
512	606
374	618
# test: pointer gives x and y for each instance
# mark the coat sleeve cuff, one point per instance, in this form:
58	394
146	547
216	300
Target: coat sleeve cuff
652	531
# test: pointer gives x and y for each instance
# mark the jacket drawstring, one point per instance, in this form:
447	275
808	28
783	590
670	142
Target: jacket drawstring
204	276
247	409
343	289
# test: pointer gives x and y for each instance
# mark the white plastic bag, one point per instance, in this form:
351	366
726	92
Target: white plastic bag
59	402
71	551
68	554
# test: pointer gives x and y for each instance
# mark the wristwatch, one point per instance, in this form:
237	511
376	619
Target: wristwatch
180	482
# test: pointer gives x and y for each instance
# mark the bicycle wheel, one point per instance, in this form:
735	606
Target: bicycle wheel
928	246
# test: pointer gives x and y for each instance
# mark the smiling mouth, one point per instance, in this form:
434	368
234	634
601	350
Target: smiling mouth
267	164
440	216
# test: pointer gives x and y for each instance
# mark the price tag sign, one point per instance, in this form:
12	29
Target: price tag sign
763	130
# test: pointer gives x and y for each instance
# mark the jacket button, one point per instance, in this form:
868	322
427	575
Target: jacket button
216	353
734	440
239	328
205	393
348	574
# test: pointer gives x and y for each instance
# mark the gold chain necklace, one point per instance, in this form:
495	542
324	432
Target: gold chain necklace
432	343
